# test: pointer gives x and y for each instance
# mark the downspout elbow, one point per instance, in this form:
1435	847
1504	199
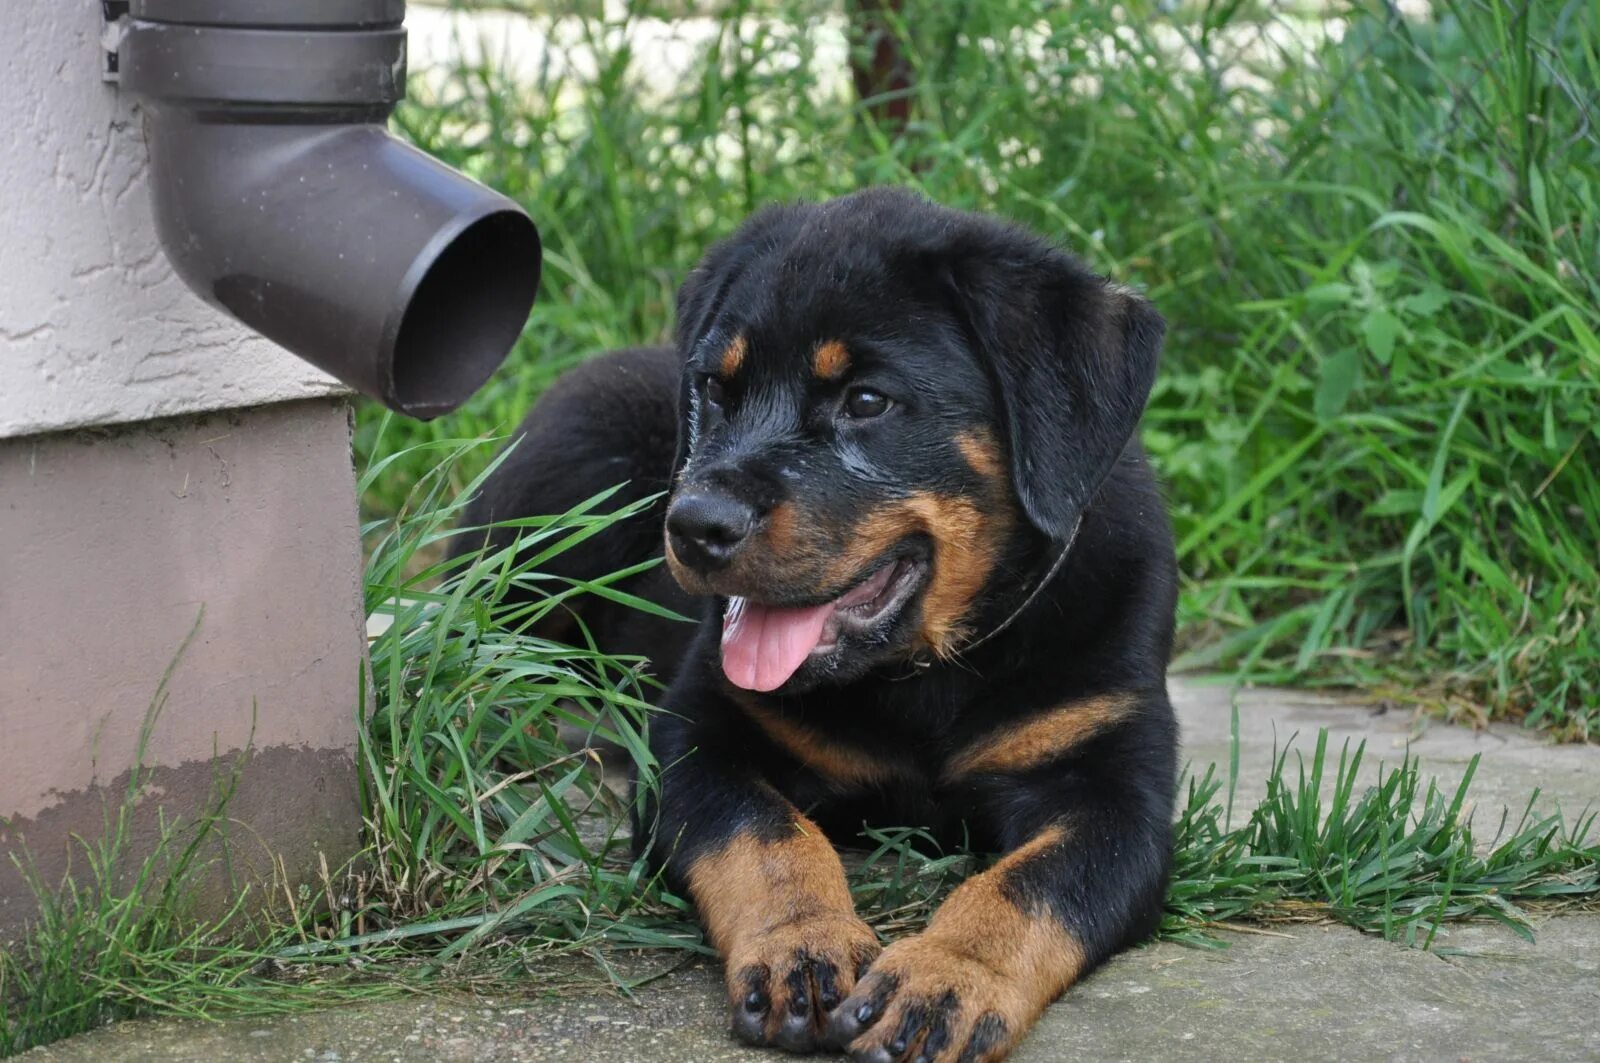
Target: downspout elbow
281	198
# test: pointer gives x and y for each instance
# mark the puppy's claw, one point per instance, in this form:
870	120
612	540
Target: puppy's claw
750	1018
848	1020
799	976
875	1054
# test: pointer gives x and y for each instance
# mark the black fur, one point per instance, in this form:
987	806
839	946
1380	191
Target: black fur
607	422
970	326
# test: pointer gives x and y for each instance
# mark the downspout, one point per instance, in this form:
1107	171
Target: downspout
281	198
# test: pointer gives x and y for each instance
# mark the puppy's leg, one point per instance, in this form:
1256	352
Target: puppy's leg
768	885
775	904
1084	874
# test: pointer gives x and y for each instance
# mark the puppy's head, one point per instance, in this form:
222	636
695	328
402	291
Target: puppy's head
888	411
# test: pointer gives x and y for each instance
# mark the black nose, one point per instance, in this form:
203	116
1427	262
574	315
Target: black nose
707	527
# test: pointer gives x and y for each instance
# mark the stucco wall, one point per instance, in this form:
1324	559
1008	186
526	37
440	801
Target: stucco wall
94	327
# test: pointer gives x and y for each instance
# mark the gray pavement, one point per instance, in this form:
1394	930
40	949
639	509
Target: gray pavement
1310	993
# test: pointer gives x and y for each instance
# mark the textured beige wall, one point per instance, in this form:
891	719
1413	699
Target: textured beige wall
94	326
112	542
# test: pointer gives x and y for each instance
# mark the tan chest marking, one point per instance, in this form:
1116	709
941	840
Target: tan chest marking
1041	739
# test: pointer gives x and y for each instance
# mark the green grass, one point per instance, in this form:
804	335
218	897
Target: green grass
1378	255
494	847
1397	857
472	798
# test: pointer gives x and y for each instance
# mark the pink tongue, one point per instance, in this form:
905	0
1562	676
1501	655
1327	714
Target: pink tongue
763	645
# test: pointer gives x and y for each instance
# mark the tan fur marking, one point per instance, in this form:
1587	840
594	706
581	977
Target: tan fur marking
750	887
982	453
993	956
965	542
733	357
1043	738
832	760
782	534
831	361
869	538
980	921
796	551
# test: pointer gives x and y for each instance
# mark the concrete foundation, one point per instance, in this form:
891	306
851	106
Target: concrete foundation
115	544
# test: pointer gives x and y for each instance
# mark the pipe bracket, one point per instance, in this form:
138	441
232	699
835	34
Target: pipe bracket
200	65
115	14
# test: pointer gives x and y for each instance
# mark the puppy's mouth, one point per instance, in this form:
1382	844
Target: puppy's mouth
764	645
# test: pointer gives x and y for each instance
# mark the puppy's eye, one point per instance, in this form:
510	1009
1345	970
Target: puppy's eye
862	403
714	392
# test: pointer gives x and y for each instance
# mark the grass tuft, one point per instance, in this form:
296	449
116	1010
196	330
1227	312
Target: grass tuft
478	806
1397	856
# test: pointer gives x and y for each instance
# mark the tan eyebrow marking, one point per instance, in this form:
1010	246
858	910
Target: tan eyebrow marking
733	357
831	361
982	453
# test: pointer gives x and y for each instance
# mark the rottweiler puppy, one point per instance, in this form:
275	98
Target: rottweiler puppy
937	584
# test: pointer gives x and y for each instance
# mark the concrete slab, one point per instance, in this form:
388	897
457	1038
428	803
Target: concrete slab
1515	763
1312	993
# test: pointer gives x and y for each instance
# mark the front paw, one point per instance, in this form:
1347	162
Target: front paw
784	982
927	1001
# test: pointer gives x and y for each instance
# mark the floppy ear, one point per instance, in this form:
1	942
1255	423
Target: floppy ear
1073	357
